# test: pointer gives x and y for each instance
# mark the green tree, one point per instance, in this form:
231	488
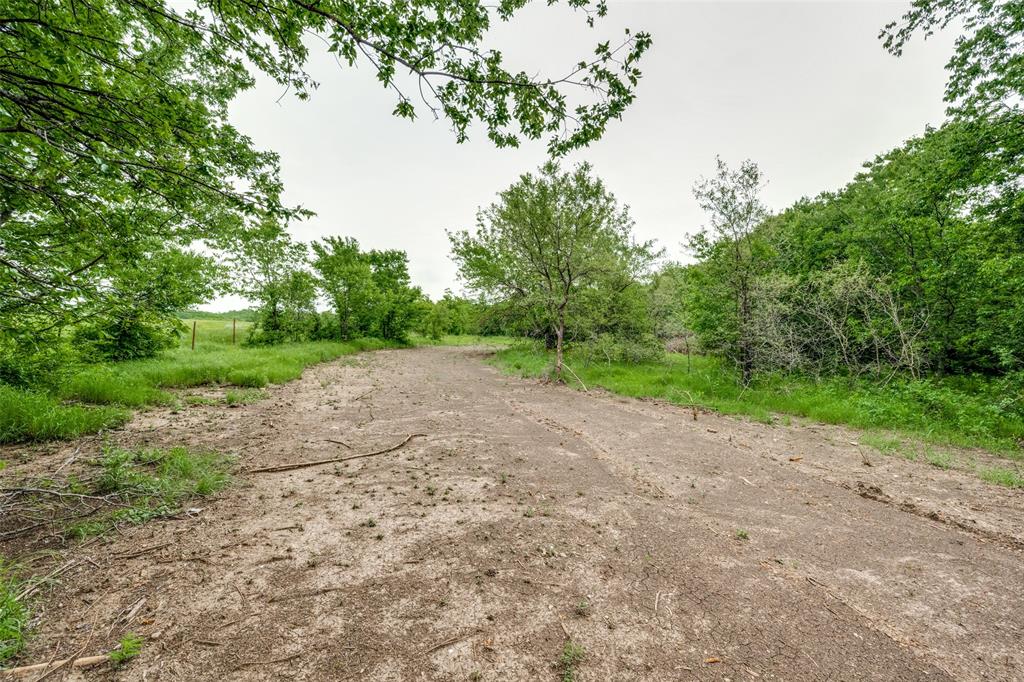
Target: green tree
346	277
986	72
269	269
733	254
396	301
139	318
546	243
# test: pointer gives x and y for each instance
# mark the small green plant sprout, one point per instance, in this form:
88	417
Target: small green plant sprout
572	655
128	648
582	608
742	534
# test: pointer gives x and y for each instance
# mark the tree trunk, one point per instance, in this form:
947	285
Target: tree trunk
746	352
559	339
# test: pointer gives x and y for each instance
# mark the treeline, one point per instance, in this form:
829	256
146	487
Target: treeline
916	266
369	293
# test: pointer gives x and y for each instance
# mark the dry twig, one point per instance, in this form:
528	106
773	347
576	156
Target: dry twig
332	460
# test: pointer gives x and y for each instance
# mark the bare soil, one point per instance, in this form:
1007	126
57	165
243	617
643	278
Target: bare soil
670	547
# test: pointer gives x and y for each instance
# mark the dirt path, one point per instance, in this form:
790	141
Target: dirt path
530	514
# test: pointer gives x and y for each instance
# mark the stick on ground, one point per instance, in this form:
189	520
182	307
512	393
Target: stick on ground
86	662
332	460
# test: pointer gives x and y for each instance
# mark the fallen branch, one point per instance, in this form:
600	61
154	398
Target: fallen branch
449	642
339	442
86	662
332	460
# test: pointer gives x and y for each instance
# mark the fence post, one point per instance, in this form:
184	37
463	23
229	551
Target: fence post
232	331
193	334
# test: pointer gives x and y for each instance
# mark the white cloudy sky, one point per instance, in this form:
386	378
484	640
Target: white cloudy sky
803	88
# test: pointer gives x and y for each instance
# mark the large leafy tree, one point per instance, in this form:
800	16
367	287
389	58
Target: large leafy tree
114	138
548	244
346	278
395	303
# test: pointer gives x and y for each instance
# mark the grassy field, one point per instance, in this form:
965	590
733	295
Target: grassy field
937	412
100	396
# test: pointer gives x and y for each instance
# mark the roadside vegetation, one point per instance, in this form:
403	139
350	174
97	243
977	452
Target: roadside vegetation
938	411
118	488
99	395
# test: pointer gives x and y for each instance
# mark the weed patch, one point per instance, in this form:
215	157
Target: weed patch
570	660
948	412
150	484
1000	476
128	648
14	614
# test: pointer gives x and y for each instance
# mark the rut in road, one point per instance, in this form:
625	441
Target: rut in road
532	514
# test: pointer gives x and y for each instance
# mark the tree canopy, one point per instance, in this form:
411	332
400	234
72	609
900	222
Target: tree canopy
552	242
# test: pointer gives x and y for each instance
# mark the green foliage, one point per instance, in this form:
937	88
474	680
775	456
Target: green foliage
346	277
1010	478
140	321
732	258
246	397
14	614
571	658
128	648
914	267
139	382
556	252
38	415
164	476
608	349
27	415
244	315
151	484
117	148
986	73
465	340
943	411
394	309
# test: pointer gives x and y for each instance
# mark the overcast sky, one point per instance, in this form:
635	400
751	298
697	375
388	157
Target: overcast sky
802	88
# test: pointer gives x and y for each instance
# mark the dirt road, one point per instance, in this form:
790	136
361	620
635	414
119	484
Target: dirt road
669	548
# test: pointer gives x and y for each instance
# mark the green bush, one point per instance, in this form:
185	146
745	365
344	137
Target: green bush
126	338
607	348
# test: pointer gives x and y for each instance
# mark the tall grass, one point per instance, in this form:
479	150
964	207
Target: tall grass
141	382
937	411
35	416
70	410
